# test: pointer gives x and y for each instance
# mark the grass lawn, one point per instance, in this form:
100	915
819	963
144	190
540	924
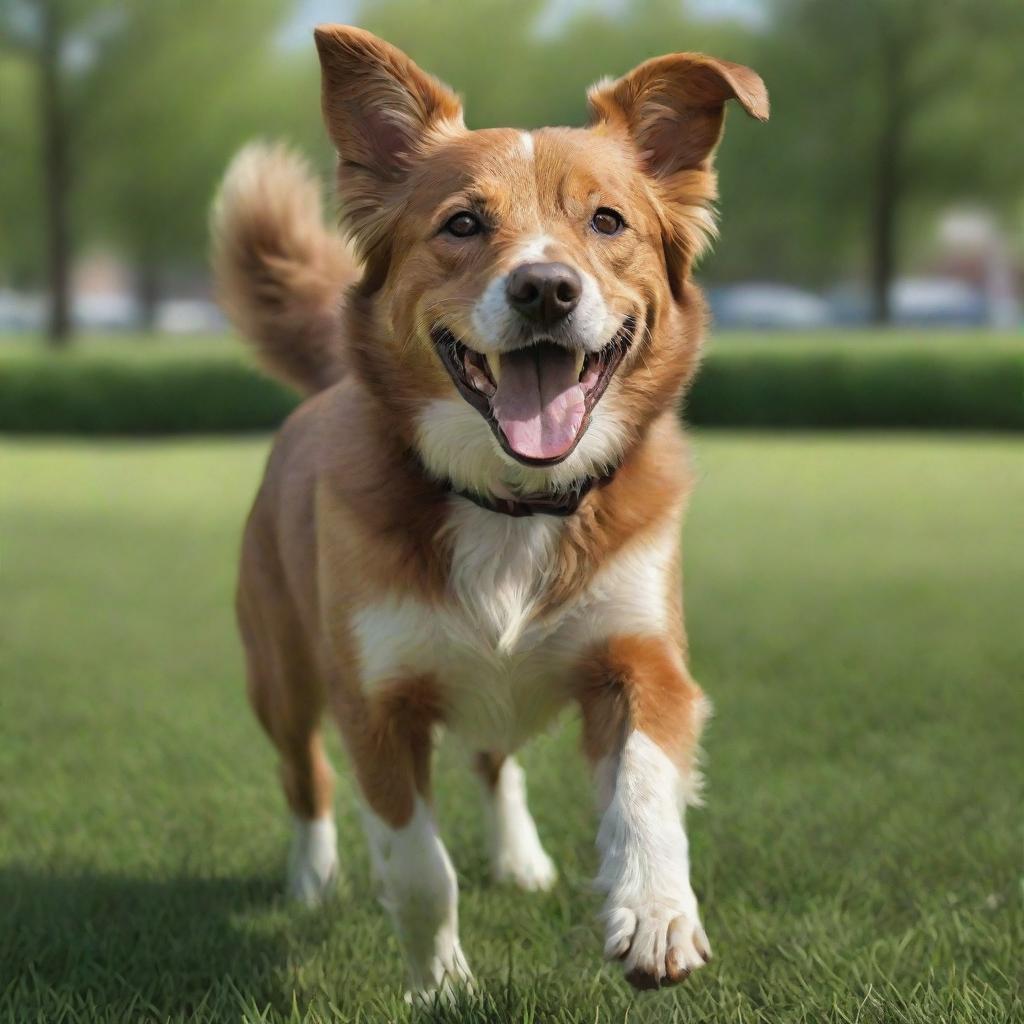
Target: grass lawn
855	613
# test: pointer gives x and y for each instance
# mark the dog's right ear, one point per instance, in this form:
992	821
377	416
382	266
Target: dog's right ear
377	104
380	109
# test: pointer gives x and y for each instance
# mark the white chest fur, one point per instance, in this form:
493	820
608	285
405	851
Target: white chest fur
503	672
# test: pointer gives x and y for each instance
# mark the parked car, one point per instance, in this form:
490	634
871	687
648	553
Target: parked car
767	306
917	302
105	311
189	316
20	312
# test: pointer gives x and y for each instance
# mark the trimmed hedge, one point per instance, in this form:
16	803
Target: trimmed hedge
105	395
963	382
876	383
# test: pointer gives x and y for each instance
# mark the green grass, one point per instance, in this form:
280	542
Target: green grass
854	608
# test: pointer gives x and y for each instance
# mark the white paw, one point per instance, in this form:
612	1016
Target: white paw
658	943
651	919
526	866
313	861
517	857
440	980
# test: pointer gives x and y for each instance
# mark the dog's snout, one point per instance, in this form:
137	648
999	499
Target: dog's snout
544	292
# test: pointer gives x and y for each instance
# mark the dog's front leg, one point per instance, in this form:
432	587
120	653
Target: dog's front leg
388	736
642	715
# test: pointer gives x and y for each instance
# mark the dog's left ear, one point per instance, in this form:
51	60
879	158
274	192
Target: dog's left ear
672	107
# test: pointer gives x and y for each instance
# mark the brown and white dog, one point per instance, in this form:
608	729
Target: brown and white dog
474	518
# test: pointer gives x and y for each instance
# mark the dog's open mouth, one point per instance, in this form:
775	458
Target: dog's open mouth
537	399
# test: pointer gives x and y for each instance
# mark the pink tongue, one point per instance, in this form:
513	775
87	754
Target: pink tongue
539	402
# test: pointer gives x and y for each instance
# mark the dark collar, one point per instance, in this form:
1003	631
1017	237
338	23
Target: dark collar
560	503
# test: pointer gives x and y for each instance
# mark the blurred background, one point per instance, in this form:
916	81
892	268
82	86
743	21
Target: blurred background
888	188
853	553
871	259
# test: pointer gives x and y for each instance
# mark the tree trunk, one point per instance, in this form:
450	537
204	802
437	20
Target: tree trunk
55	175
888	189
884	210
147	291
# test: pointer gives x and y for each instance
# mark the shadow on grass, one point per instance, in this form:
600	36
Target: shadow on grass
135	949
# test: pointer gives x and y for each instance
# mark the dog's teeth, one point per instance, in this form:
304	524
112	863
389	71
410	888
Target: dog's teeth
581	358
493	365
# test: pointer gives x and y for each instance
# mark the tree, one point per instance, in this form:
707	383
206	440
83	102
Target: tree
858	89
54	122
883	111
139	107
21	252
175	89
38	30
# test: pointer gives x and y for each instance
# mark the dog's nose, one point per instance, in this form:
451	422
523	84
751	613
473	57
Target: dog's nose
544	292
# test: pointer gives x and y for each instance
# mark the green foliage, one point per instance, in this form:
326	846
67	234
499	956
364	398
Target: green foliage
21	240
853	613
547	59
925	85
185	84
953	382
169	89
798	195
158	97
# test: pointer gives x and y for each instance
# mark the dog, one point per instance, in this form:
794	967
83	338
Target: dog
473	519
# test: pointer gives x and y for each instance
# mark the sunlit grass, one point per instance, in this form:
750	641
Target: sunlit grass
854	610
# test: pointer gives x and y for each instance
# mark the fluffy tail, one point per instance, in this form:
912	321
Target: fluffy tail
280	273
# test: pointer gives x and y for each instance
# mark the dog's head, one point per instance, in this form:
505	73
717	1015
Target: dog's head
526	303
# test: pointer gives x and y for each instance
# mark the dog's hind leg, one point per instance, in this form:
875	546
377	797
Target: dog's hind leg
288	700
307	779
517	856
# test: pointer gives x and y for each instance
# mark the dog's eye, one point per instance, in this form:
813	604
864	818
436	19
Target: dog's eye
607	222
462	225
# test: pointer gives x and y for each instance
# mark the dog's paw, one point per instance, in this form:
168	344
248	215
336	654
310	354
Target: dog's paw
443	981
658	945
517	856
526	866
313	861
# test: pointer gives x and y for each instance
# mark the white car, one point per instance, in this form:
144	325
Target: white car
762	306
